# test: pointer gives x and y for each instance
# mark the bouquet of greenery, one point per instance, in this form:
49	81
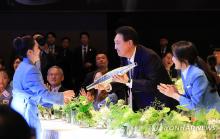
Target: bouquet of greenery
71	109
190	124
131	121
101	117
84	114
209	122
152	120
67	112
123	118
116	114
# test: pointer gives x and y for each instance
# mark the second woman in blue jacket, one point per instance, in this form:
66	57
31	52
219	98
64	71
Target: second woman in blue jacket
199	83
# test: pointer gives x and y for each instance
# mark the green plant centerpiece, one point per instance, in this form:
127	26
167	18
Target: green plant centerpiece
84	113
102	117
190	124
122	117
67	112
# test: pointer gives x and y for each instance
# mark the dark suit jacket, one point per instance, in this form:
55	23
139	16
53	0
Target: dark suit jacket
64	61
89	79
62	89
47	60
79	69
146	76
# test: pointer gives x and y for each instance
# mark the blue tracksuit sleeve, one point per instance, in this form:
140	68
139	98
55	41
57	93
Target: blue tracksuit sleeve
34	83
195	91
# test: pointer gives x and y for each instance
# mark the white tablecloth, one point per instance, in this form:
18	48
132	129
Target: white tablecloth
58	129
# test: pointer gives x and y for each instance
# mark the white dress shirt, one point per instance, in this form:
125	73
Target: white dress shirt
55	89
184	72
131	60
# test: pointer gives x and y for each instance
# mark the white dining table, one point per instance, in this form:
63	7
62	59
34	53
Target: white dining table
59	129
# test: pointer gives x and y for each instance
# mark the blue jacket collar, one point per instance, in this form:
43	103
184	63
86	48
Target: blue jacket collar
26	60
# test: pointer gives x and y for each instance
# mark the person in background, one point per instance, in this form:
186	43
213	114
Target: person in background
28	86
65	56
164	45
83	60
102	67
212	62
15	62
168	64
98	97
51	42
90	95
47	59
101	95
2	63
55	77
200	91
5	89
216	53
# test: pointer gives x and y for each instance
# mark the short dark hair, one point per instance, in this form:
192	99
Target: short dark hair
23	44
5	71
51	33
84	33
66	38
12	124
129	33
211	60
2	62
41	40
101	52
167	52
164	37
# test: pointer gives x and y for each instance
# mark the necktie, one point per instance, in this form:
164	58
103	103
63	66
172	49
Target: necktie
83	54
130	73
52	49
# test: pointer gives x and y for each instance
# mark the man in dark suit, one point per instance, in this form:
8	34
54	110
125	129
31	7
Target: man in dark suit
84	60
51	42
164	46
55	77
64	58
102	66
144	78
47	58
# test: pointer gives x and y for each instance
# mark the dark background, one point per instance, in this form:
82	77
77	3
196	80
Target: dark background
197	21
70	24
